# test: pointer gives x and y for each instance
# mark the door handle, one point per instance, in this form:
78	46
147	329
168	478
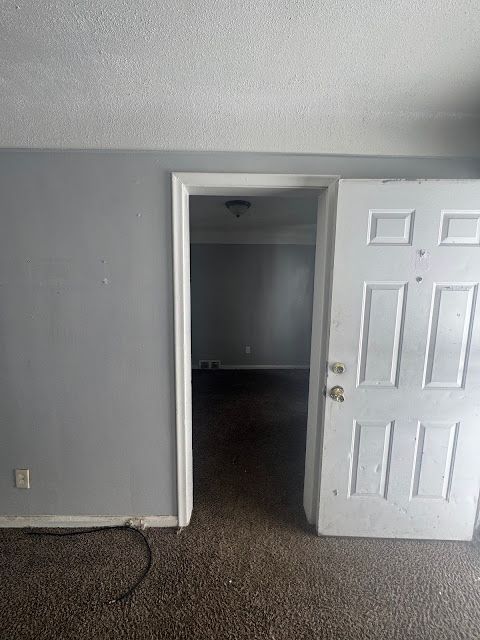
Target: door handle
338	368
337	394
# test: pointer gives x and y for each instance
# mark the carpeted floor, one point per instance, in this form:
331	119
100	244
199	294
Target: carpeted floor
248	567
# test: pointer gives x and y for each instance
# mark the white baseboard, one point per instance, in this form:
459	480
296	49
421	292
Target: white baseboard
258	366
84	521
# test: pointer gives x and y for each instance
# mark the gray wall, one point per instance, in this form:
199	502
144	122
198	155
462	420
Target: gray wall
256	295
86	347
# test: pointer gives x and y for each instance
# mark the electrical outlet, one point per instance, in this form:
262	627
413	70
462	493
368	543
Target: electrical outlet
22	478
248	349
214	364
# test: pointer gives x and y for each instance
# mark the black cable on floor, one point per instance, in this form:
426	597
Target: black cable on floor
123	527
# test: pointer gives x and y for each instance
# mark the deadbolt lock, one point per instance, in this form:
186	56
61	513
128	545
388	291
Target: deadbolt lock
338	367
336	393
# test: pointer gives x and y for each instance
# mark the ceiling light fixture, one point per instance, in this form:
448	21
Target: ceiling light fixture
238	207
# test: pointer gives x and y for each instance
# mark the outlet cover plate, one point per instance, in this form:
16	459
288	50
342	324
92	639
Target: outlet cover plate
22	478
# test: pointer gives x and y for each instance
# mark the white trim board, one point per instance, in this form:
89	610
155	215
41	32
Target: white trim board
255	366
84	521
185	185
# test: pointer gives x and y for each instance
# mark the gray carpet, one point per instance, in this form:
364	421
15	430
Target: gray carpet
248	566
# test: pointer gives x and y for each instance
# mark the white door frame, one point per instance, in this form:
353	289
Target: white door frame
236	184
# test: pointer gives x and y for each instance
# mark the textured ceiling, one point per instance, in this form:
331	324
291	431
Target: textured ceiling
377	77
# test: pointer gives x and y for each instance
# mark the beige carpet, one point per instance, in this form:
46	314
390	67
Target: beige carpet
248	567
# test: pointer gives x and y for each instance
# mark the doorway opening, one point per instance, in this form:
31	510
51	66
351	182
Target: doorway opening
256	307
252	265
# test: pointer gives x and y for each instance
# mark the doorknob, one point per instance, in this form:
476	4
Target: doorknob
338	367
336	393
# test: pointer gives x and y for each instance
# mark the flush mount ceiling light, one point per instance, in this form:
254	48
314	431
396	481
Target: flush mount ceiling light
238	207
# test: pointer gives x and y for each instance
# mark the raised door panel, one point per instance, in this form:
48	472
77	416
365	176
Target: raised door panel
460	228
449	335
381	329
370	459
434	460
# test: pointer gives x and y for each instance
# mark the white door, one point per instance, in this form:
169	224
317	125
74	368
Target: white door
401	453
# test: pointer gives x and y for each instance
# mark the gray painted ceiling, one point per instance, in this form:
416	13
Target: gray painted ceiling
375	77
269	220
